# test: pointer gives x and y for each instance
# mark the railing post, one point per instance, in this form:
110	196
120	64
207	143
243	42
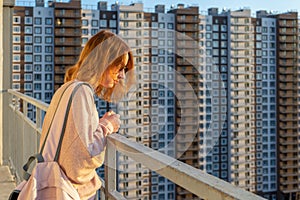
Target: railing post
38	122
110	169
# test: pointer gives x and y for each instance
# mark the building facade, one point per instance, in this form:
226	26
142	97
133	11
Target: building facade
218	91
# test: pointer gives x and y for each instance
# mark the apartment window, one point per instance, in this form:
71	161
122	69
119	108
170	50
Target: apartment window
272	45
264	37
16	86
37	86
170	26
84	40
48	40
138	24
37	58
208	52
170	43
37	49
28	39
48	68
272	37
16	39
16	29
48	77
272	53
161	59
161	34
48	58
28	86
170	59
28	20
48	21
48	30
223	44
28	58
94	31
223	28
28	77
16	67
37	68
62	12
16	20
161	42
95	23
16	77
216	35
85	22
16	48
264	29
37	39
215	27
258	37
170	34
264	61
48	86
28	30
264	45
48	95
37	95
264	53
37	77
103	23
138	15
28	49
85	31
161	25
38	21
28	67
48	49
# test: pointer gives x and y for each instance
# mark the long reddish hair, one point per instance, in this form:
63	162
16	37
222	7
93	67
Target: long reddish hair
110	50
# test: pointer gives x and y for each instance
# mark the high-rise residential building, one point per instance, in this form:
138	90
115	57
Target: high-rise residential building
43	53
67	37
90	20
93	21
241	107
159	50
213	50
265	86
134	110
287	105
187	89
165	76
33	53
23	59
218	91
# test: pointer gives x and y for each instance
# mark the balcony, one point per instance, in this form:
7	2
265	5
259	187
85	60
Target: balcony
23	141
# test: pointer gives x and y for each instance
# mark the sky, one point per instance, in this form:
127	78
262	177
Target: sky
269	5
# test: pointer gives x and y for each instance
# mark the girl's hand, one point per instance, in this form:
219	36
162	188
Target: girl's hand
114	119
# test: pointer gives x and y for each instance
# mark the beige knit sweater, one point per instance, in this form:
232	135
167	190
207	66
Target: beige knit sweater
83	146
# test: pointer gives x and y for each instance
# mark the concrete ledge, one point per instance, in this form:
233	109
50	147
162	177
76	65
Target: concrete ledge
192	179
7	182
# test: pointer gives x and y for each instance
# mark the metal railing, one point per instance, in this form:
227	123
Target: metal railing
23	141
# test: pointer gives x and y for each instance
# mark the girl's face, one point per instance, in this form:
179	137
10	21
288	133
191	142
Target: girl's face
113	74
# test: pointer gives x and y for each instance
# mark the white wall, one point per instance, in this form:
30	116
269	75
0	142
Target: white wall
6	13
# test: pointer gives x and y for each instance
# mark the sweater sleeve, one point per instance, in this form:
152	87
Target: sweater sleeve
91	130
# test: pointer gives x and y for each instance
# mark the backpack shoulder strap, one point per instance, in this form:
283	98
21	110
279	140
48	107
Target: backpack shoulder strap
66	119
38	157
44	142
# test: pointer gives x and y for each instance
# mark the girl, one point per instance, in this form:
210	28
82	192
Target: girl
106	66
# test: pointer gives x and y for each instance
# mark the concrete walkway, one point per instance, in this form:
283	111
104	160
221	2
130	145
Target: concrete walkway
7	183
